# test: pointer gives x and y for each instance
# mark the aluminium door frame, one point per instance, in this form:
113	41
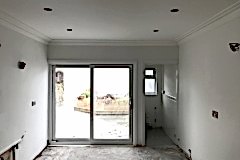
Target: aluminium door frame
52	111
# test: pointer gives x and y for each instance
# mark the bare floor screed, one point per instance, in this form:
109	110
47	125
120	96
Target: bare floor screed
112	153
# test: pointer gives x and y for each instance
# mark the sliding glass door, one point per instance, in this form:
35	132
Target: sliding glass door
92	103
111	103
72	102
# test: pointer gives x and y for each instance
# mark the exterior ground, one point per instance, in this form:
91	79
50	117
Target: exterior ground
75	124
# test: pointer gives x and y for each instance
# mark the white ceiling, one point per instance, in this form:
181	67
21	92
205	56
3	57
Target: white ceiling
113	19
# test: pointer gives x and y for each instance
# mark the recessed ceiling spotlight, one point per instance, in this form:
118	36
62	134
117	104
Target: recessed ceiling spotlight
174	10
155	30
47	9
69	29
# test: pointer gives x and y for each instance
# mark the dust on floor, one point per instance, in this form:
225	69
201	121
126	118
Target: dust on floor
112	153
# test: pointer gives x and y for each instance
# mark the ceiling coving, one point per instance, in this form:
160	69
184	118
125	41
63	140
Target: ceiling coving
111	20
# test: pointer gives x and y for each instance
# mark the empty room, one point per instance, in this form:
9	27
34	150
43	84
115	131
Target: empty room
119	80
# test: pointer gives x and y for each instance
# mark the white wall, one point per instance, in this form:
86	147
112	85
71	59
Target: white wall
152	102
209	79
18	88
170	107
141	55
151	54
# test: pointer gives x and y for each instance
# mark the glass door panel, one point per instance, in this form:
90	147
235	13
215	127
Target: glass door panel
111	103
72	102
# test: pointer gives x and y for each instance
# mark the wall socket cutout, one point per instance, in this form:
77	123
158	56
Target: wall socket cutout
34	103
214	114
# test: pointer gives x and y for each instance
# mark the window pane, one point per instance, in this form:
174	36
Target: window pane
111	103
150	87
149	72
72	103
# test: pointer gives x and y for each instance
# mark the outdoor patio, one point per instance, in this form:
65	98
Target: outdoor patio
71	123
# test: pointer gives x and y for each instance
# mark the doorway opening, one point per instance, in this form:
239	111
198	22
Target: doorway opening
92	104
161	107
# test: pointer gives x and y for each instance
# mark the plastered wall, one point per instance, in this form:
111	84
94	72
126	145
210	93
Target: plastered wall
18	88
209	80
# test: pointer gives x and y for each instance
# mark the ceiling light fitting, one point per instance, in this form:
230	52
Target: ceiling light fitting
155	30
174	10
69	29
48	9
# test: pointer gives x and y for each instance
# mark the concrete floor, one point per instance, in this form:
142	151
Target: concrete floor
159	147
157	138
